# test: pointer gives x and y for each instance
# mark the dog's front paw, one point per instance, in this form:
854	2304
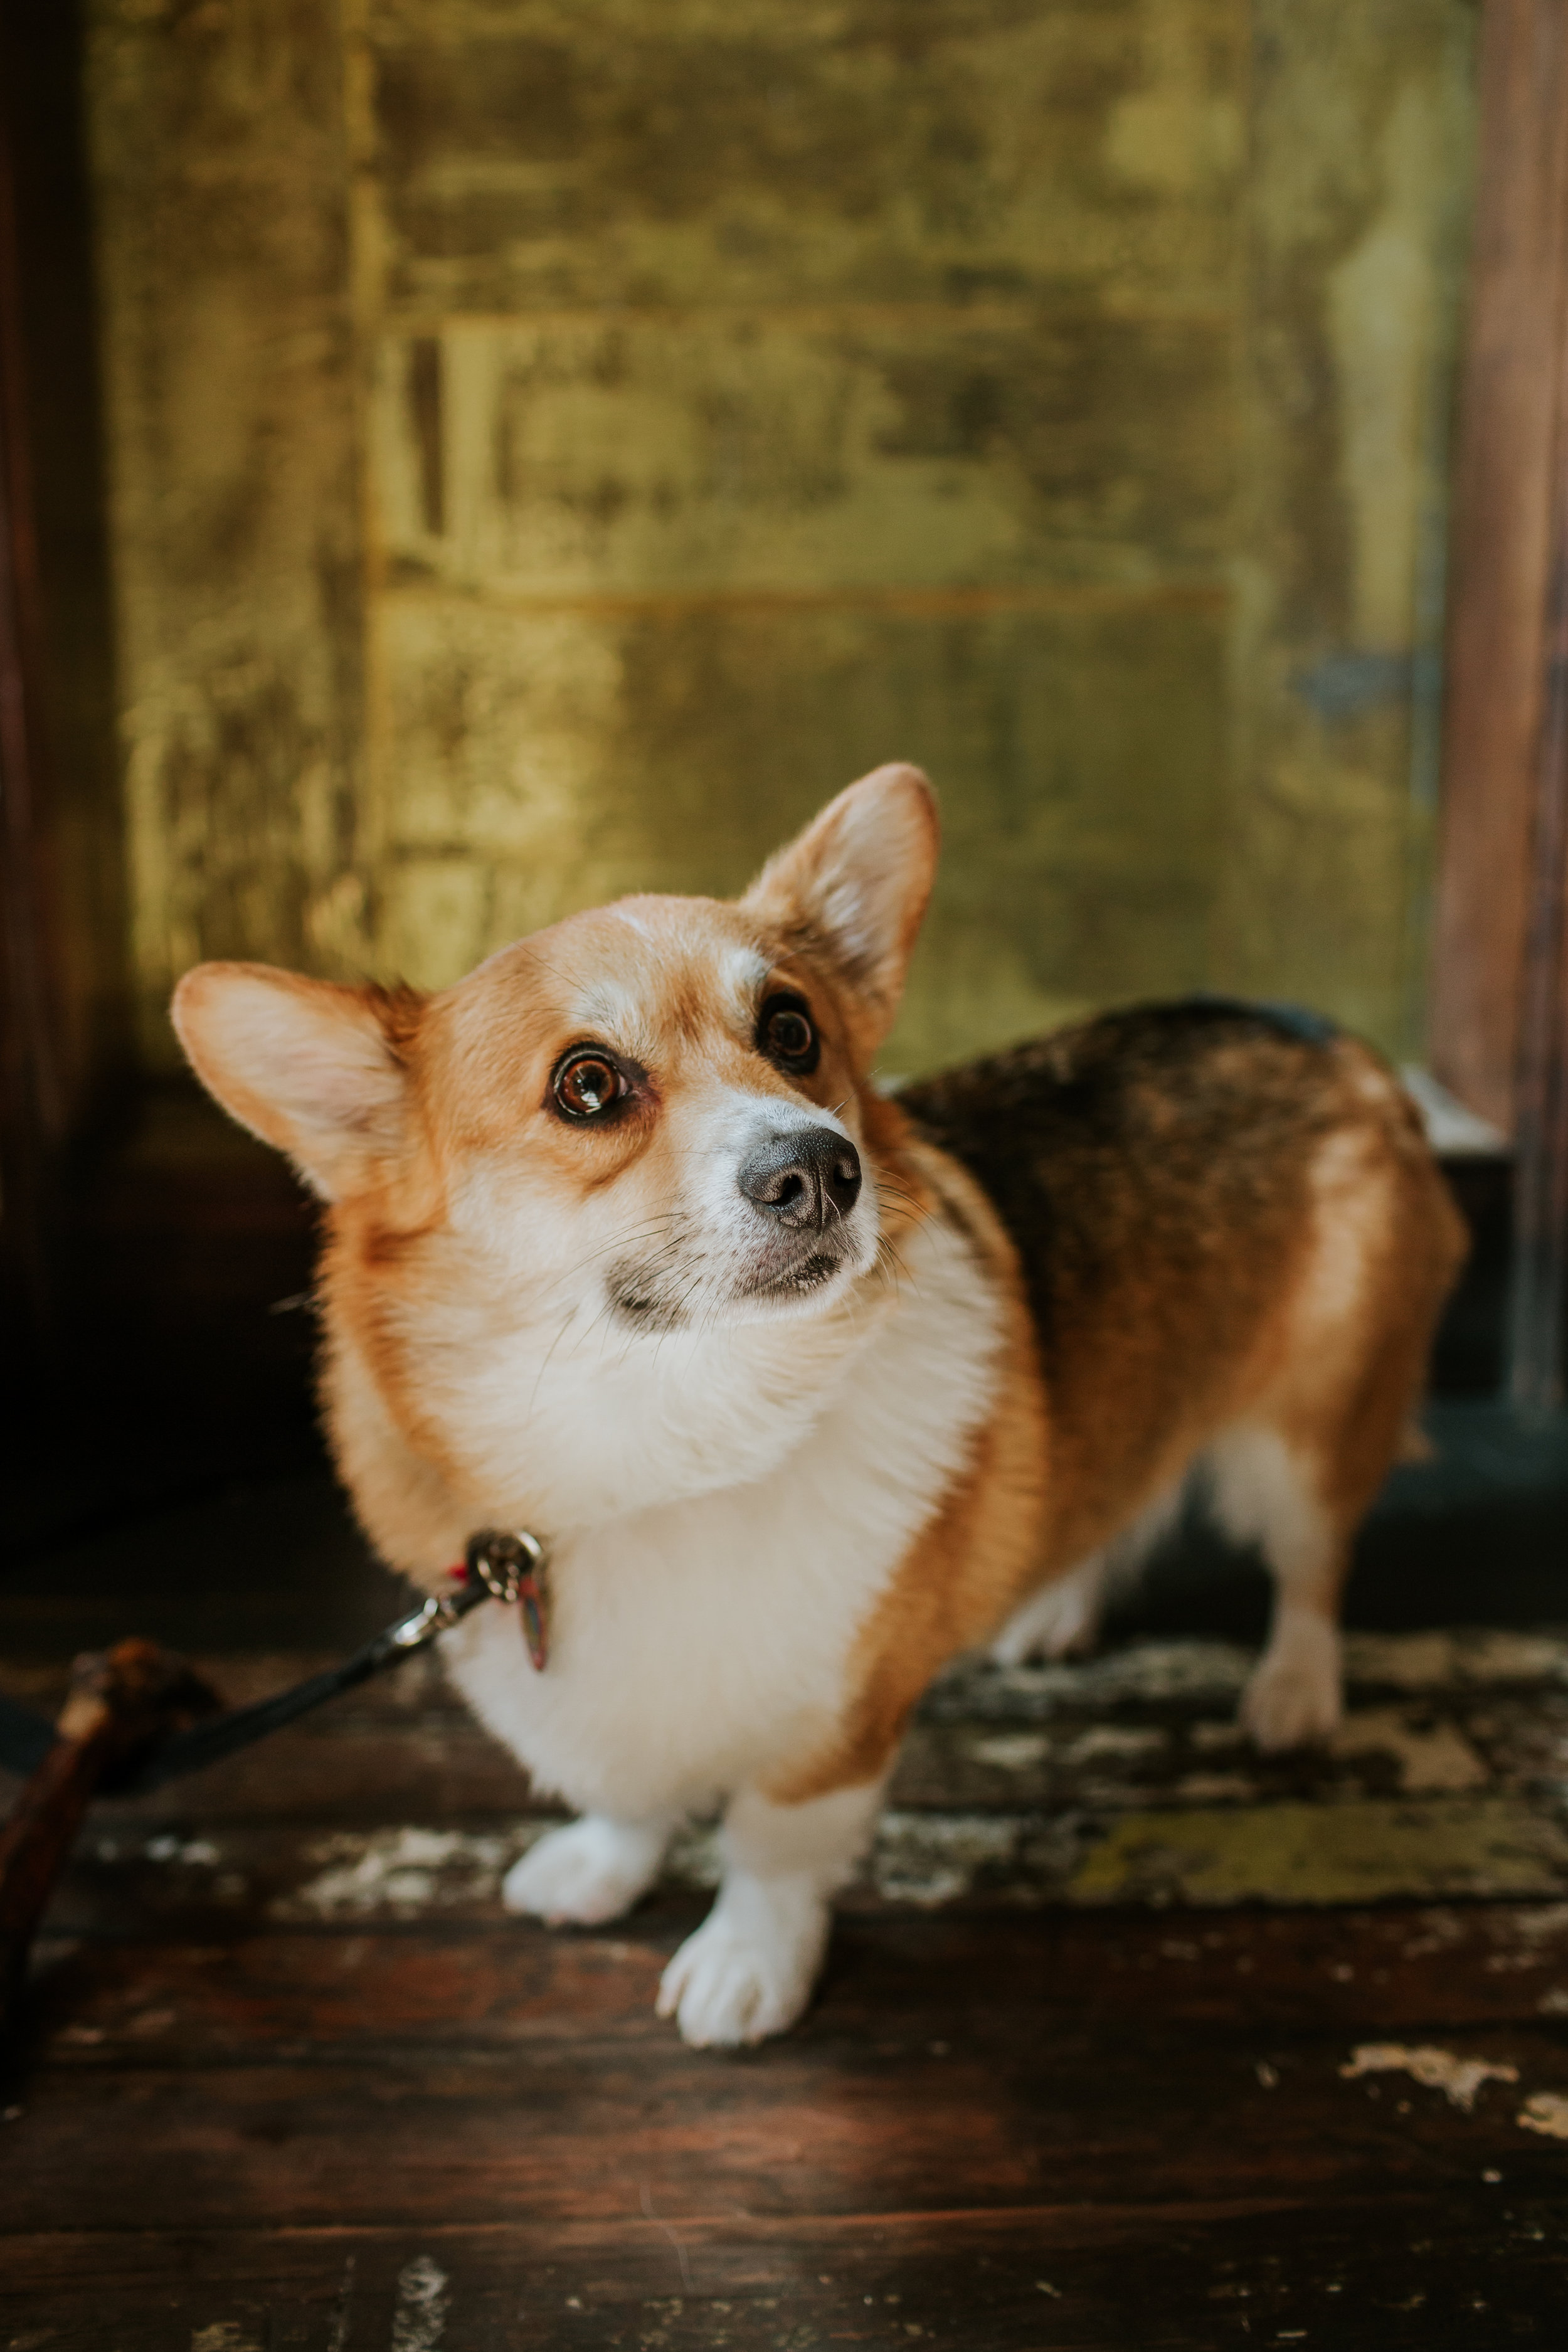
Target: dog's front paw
749	1969
584	1875
1294	1697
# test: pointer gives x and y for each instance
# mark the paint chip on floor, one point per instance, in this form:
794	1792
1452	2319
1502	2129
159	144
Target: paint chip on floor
420	2320
1435	2070
1362	1852
1545	2112
403	1872
1430	1759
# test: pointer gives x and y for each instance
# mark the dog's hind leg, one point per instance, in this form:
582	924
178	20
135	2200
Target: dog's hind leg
1299	1472
1265	1492
1062	1620
1297	1483
591	1871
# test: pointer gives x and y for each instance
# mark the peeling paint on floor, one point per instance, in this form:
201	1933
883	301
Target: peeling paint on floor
1011	1751
1546	2112
1192	1673
1103	1740
1448	1661
931	1859
420	2320
405	1872
1436	2070
194	1853
1430	1759
1541	1926
1337	1853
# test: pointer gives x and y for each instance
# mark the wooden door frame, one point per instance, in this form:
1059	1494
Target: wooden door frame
65	1056
1499	999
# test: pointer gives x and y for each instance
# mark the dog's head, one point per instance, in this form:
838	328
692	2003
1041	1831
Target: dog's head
650	1119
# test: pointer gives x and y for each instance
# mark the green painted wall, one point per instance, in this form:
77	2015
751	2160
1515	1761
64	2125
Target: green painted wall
558	442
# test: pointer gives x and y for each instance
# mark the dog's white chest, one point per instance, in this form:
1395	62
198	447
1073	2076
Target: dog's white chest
697	1646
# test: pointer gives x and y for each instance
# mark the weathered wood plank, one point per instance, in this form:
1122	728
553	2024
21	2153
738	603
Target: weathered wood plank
1154	1725
214	1877
1042	2113
1435	1667
1139	2279
1432	1664
1253	1976
434	1767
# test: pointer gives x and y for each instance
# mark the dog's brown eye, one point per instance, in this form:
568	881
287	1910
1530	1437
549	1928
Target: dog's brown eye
789	1034
587	1086
786	1035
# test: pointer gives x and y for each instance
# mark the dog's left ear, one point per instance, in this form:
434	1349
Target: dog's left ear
854	885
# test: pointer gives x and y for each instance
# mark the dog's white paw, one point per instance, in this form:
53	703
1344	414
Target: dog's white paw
1062	1622
592	1870
749	1969
1294	1697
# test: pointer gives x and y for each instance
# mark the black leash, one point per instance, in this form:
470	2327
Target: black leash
497	1566
26	1739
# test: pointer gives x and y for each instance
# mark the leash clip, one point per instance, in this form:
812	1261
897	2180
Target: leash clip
413	1632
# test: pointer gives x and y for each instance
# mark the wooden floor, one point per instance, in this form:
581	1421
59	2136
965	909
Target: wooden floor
1118	2045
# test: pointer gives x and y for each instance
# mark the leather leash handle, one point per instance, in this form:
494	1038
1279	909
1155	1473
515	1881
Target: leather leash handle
136	1717
119	1702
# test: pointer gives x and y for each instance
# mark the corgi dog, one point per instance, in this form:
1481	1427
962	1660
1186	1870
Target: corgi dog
806	1388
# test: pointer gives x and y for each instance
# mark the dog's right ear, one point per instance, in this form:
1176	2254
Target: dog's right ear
305	1065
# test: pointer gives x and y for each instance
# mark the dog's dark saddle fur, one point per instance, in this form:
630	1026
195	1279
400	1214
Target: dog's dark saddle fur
1156	1119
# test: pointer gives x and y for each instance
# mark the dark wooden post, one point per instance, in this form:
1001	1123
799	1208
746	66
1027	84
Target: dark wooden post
1539	1291
1499	1021
31	1119
133	1696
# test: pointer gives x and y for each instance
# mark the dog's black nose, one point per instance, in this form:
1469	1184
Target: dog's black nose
803	1176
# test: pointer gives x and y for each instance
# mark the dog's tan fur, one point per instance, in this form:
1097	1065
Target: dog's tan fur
1160	1238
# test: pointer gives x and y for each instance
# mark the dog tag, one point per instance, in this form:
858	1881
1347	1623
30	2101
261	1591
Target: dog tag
513	1568
533	1600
